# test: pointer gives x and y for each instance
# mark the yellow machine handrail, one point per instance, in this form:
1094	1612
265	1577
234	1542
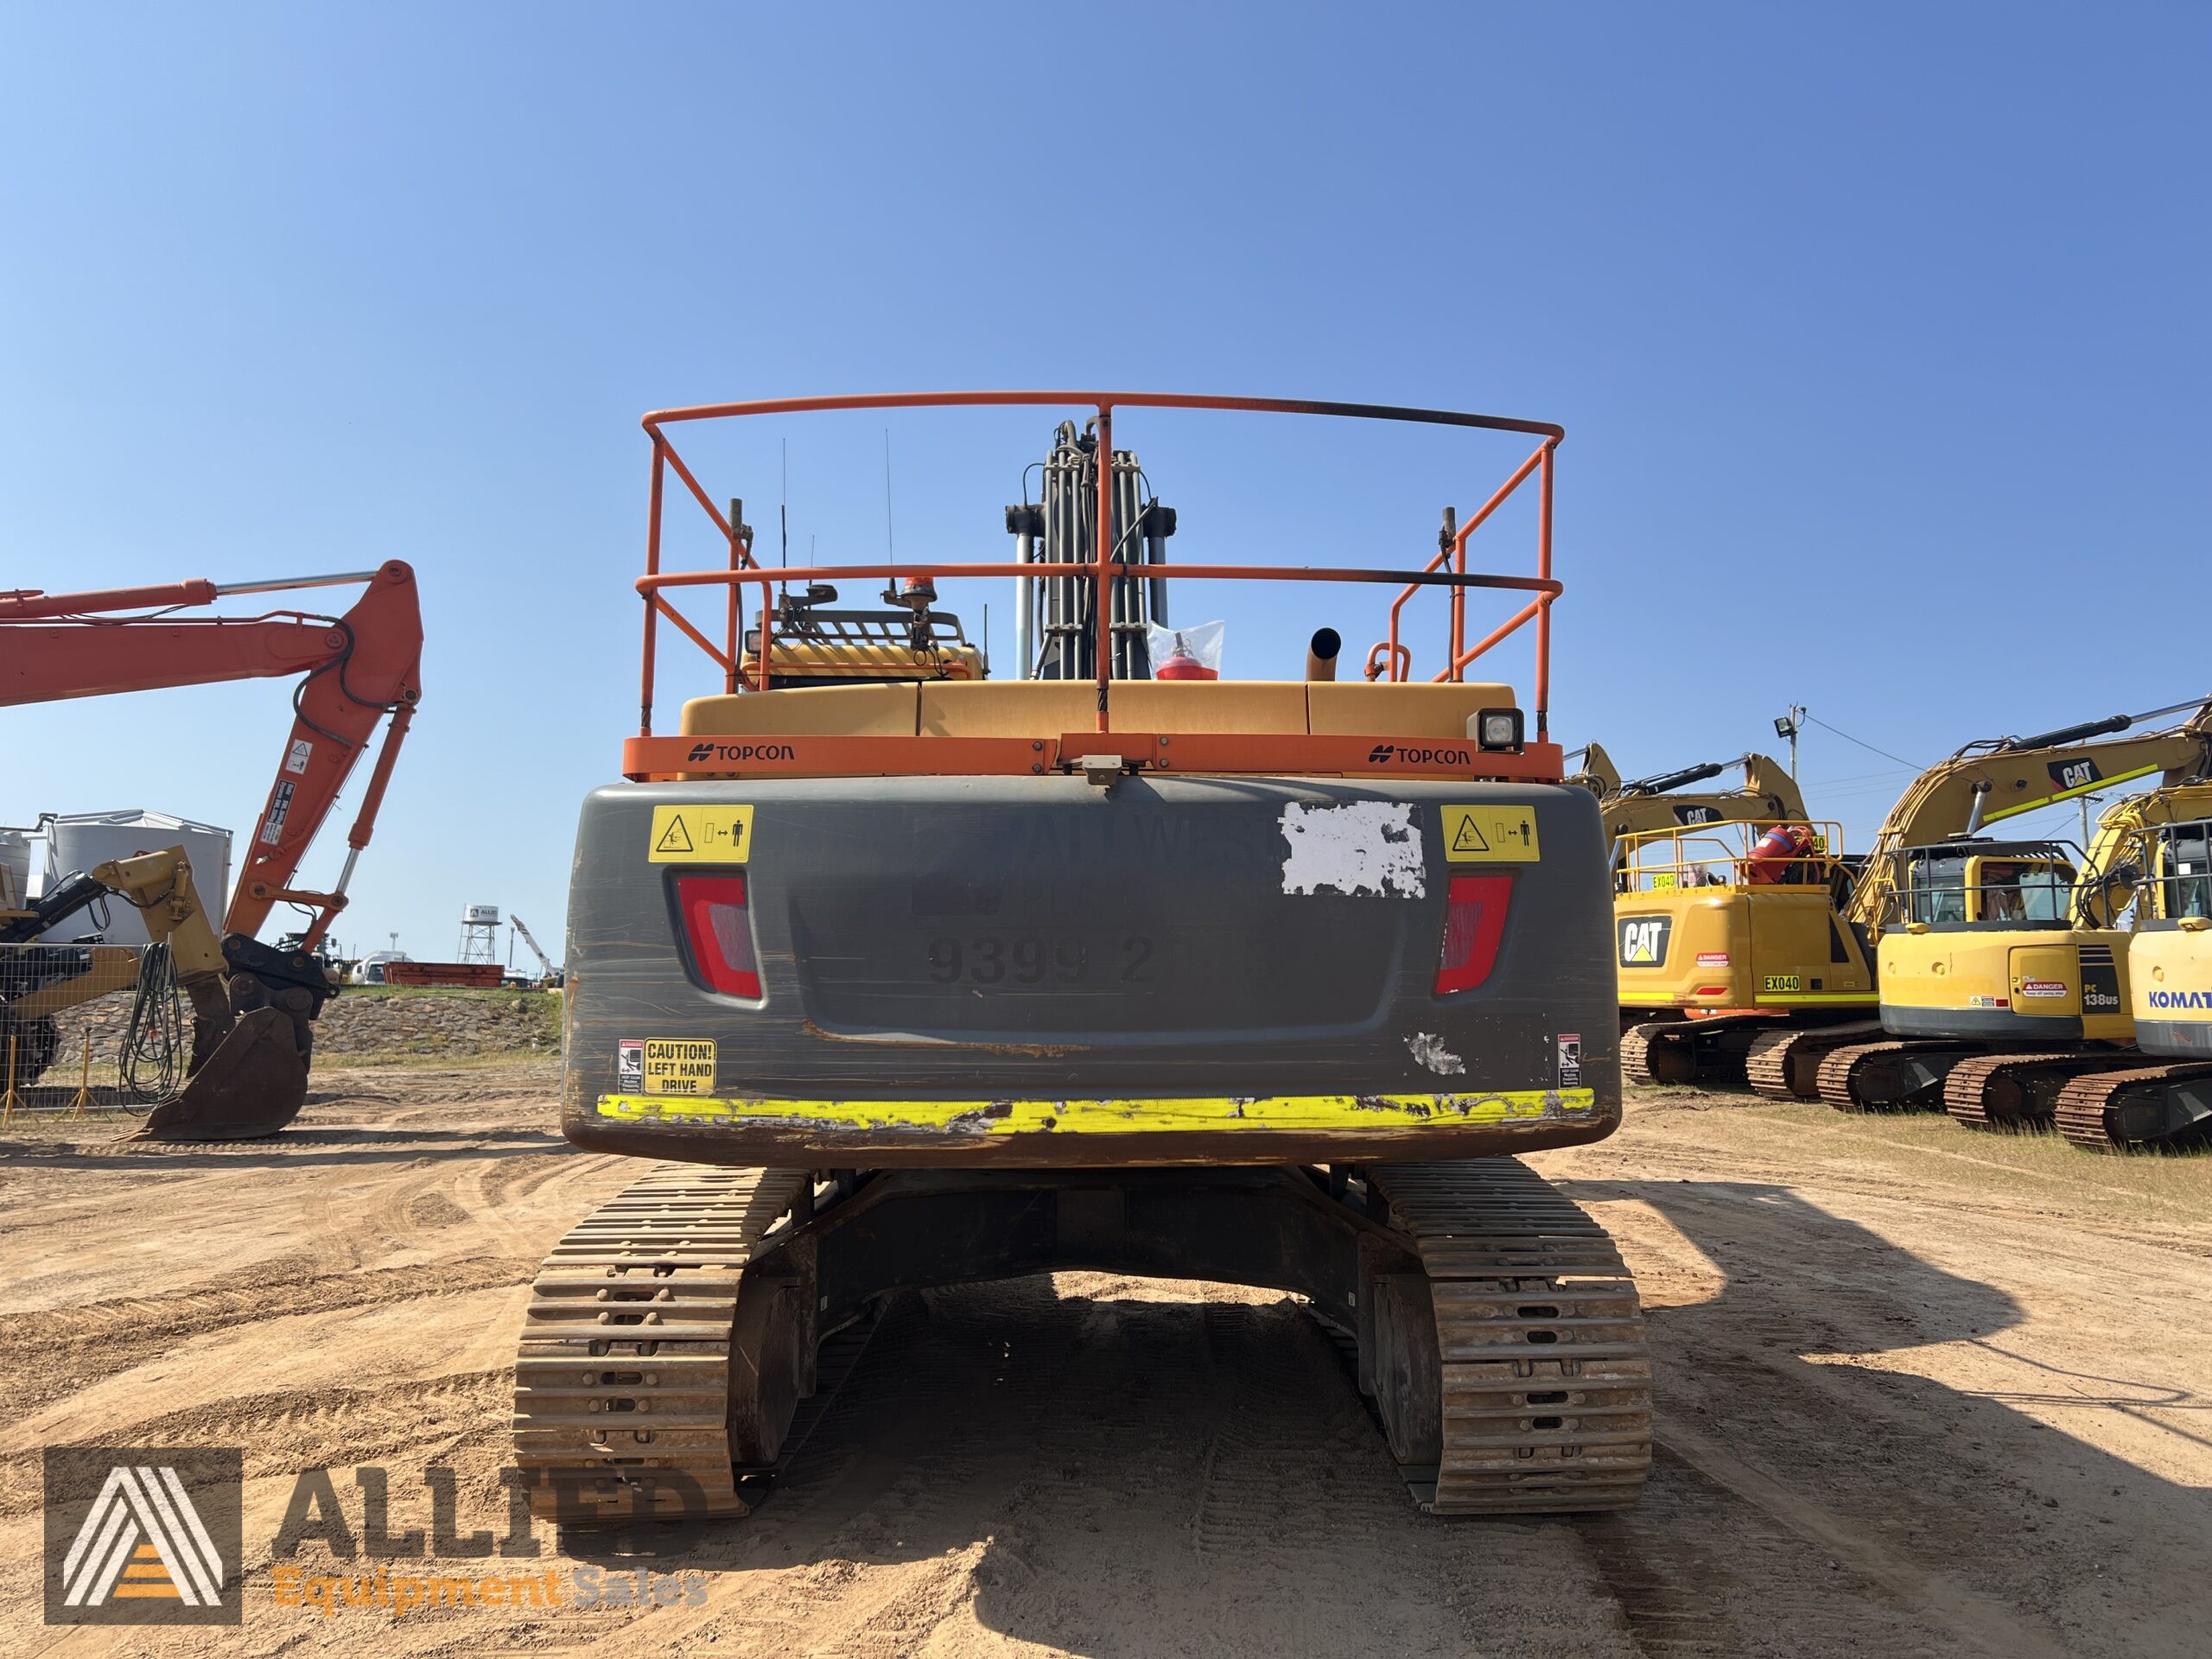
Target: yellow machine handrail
1732	861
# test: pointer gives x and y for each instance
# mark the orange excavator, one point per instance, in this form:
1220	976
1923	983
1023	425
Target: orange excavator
253	1019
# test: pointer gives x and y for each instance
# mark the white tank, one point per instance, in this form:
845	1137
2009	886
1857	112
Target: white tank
480	916
15	868
79	841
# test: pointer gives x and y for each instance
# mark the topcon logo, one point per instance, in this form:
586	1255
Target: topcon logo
157	1544
727	753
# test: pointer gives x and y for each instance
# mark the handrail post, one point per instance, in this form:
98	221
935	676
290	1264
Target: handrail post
1449	540
767	637
1105	547
652	569
730	676
1544	610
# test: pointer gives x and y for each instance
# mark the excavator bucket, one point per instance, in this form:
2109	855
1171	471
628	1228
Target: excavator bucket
251	1085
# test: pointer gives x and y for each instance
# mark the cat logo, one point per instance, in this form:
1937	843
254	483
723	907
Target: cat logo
1643	940
2075	774
1697	815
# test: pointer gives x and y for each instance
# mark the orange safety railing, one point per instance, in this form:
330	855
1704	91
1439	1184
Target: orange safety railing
1448	569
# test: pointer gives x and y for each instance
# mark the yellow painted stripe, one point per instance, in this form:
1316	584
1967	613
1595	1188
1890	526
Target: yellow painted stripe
2069	794
1823	997
1132	1116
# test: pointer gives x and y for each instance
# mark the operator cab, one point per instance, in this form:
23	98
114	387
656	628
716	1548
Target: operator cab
1988	884
2184	871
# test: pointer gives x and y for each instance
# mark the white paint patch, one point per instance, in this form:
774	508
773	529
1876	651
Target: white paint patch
1429	1050
1361	849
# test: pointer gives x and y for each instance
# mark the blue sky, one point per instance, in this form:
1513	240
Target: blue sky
1880	335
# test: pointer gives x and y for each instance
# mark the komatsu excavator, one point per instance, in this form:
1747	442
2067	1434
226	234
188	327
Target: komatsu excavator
253	1009
2169	977
1989	962
928	979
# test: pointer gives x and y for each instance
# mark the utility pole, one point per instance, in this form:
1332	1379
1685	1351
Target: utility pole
1789	726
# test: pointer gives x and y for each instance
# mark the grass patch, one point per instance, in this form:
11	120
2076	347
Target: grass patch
2036	1169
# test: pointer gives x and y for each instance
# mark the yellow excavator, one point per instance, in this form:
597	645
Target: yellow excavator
1728	931
2169	980
262	1077
1656	805
2003	957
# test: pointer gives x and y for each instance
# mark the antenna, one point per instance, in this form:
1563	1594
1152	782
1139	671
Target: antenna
784	511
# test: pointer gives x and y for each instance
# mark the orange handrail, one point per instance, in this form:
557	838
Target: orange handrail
743	569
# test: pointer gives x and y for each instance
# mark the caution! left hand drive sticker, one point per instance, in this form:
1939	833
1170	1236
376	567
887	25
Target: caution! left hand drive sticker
700	835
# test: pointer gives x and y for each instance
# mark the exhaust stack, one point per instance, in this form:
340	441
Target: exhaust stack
1321	654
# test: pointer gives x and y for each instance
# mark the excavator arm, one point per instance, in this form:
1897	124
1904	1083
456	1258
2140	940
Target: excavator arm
253	1004
1769	795
1990	781
357	669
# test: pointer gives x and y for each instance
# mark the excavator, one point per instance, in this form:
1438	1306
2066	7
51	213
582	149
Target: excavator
2169	976
1730	942
1656	805
1657	815
2003	967
921	979
253	1004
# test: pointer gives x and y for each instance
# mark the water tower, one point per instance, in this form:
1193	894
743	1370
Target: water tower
479	934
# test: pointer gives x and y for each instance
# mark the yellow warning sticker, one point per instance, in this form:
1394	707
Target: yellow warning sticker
677	1066
1491	834
700	835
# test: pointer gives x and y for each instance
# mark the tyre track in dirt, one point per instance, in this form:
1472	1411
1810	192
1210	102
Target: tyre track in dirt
1888	1416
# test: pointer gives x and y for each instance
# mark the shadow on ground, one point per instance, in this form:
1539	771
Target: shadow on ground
1090	1471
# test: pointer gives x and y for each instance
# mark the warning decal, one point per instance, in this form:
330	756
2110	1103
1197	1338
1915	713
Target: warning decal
700	835
630	1065
1479	835
678	1066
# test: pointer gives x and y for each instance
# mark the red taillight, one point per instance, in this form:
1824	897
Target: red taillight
1474	923
720	932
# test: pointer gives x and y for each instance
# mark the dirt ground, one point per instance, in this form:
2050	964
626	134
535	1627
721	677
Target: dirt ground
1921	1393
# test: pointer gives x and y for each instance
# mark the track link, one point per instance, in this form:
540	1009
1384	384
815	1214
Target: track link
1997	1091
1546	1373
622	1381
1685	1051
2085	1116
1779	1061
1840	1070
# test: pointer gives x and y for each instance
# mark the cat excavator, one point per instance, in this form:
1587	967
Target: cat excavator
253	1004
1654	805
1729	942
2003	957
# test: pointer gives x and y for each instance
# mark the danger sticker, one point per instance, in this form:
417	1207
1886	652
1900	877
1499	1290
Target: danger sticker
672	1065
1713	958
1570	1059
630	1065
2043	988
1491	834
700	835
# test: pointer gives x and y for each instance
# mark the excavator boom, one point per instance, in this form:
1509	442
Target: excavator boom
254	1011
1989	782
